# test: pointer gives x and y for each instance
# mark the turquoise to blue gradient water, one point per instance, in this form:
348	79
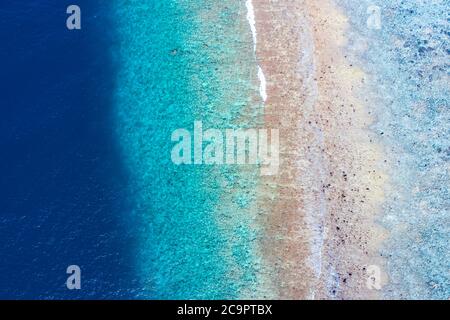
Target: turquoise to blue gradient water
407	62
178	63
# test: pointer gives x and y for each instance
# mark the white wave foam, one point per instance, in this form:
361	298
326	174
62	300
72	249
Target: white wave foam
262	85
252	22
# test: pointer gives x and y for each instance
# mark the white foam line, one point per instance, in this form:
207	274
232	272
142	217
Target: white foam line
262	86
252	22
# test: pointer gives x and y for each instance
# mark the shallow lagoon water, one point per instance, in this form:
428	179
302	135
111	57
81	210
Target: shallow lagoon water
407	64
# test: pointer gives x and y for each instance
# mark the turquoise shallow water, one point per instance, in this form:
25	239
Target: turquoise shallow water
407	63
182	61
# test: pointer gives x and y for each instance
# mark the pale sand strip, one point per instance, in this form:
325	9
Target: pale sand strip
319	211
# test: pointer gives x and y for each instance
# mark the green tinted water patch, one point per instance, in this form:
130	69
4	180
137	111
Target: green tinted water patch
178	64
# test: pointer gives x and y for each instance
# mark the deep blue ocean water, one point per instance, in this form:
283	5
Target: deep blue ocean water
62	182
